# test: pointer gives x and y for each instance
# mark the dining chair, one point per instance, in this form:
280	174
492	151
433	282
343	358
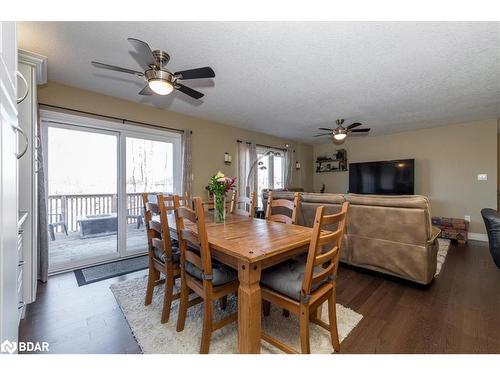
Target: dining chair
301	285
164	257
292	206
209	279
244	205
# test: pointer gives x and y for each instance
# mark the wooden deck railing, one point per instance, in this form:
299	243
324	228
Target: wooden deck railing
72	206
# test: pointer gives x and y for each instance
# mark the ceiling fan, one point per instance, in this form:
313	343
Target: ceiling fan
158	79
341	132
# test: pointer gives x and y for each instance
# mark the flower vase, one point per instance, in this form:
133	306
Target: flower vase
219	208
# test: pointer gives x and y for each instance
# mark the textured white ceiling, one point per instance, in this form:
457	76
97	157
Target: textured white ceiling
288	79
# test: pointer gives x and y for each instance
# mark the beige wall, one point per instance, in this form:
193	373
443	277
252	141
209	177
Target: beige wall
447	159
210	140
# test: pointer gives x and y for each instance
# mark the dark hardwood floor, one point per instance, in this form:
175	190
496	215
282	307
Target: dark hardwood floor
457	313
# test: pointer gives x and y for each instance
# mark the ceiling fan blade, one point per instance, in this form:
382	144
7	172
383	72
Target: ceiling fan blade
188	91
205	72
116	68
144	54
321	135
146	91
354	125
327	129
360	130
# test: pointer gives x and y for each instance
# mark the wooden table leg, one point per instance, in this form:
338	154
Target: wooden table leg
249	308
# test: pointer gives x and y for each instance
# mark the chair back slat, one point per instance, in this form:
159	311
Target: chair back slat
280	218
158	244
317	255
194	258
153	207
155	226
191	237
330	237
293	206
191	229
320	276
187	214
326	257
282	203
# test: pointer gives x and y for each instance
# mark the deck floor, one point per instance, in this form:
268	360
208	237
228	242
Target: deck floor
71	248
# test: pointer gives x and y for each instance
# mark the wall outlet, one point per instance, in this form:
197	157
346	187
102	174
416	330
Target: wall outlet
482	177
467	218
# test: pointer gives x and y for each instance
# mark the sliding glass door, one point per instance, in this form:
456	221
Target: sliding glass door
82	202
149	168
97	172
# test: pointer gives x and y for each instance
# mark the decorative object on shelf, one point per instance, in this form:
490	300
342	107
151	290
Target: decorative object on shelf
219	186
297	165
227	158
335	163
323	187
340	133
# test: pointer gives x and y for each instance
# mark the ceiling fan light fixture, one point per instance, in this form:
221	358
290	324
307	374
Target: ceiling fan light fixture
339	134
160	87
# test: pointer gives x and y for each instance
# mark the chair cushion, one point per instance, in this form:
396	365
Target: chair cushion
221	274
286	278
160	254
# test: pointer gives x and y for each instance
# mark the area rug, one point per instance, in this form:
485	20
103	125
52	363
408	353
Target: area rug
105	271
444	245
155	338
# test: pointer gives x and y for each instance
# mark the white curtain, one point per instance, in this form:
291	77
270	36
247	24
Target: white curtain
289	156
252	181
43	241
247	155
187	163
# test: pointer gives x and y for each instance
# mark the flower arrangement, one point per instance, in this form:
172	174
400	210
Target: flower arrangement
219	185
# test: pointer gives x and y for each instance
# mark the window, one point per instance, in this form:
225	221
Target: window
271	170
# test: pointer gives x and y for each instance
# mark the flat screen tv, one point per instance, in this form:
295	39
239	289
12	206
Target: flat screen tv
393	177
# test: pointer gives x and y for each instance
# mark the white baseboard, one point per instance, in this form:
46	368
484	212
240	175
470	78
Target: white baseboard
478	236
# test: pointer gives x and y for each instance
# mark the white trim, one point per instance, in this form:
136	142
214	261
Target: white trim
478	236
36	60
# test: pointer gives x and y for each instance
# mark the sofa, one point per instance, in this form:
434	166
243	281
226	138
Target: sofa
388	234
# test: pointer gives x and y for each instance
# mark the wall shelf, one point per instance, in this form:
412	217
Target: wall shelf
336	163
332	170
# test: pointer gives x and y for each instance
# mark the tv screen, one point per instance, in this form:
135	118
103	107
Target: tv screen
395	177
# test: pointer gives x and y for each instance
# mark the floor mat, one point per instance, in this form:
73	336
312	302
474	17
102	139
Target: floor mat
93	274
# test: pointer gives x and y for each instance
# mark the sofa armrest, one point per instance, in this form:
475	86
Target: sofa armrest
435	233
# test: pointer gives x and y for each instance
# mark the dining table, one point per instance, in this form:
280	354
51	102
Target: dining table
250	245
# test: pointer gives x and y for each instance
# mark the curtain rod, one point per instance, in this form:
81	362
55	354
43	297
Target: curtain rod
266	146
113	118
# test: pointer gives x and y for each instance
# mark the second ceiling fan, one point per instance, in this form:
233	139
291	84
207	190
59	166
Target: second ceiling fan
158	79
341	132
